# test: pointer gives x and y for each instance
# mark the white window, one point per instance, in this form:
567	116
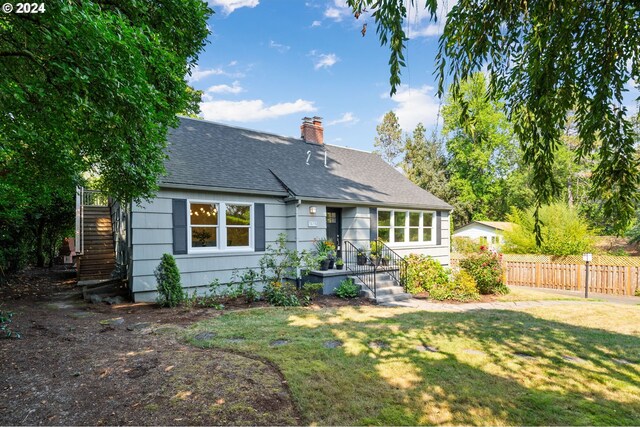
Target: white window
204	225
238	225
403	226
219	226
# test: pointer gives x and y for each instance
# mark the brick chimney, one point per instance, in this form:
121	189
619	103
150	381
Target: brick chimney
312	130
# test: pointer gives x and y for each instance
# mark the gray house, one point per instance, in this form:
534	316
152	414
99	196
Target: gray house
229	192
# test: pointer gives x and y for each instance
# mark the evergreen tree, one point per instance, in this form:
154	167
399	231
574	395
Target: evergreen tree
425	164
388	142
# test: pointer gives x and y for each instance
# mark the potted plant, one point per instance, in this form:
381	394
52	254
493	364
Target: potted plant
331	255
327	249
323	260
361	256
385	260
375	260
339	263
376	253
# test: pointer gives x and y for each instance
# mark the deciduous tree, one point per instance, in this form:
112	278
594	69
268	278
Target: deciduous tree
91	86
545	59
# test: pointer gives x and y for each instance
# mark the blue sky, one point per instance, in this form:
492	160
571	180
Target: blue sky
271	62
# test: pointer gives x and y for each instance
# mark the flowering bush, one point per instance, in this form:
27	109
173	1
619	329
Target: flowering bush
424	272
486	269
460	287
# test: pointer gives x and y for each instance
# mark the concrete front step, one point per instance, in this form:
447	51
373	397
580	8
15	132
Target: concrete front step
393	298
385	295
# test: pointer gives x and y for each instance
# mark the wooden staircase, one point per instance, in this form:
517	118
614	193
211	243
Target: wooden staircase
98	259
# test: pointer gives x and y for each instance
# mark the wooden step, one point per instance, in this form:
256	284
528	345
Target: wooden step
97	261
104	272
102	241
97	265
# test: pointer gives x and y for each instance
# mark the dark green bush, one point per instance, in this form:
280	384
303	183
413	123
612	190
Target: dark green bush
311	290
5	330
347	289
170	292
423	272
282	294
486	269
461	287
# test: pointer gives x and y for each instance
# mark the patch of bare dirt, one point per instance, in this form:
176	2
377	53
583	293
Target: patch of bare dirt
85	364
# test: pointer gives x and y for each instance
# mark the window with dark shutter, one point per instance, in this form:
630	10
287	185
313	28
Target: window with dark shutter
179	214
260	227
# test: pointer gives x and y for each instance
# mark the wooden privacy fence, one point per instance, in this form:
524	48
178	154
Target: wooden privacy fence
607	274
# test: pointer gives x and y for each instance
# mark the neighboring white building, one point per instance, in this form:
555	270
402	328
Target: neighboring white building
485	232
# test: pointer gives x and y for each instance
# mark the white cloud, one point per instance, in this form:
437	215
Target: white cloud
415	105
252	110
347	118
234	88
430	30
198	73
421	25
338	11
279	47
316	23
228	6
323	60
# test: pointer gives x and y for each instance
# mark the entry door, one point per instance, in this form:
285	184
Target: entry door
334	227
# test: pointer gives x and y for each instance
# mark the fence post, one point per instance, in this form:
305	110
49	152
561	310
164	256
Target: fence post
537	274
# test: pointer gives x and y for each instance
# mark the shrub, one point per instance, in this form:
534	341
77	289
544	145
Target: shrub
564	232
347	289
461	287
464	245
168	277
279	262
281	294
309	291
5	330
486	270
424	272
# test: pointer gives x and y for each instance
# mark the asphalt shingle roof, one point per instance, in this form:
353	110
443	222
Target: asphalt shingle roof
207	154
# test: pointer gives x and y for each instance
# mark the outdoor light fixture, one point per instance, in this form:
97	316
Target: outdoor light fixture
313	210
587	259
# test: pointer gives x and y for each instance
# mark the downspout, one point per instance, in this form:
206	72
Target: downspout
298	278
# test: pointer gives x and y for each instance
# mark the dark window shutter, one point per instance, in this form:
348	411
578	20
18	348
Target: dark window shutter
373	230
260	227
179	209
439	228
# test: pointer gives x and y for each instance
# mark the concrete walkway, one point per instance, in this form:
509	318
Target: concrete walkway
616	299
429	305
515	305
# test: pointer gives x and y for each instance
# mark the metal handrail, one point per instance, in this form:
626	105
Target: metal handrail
393	264
361	265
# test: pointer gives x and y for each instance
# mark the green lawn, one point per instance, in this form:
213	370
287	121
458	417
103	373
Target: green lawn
575	364
533	294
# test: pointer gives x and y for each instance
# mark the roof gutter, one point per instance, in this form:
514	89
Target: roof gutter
344	202
223	189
